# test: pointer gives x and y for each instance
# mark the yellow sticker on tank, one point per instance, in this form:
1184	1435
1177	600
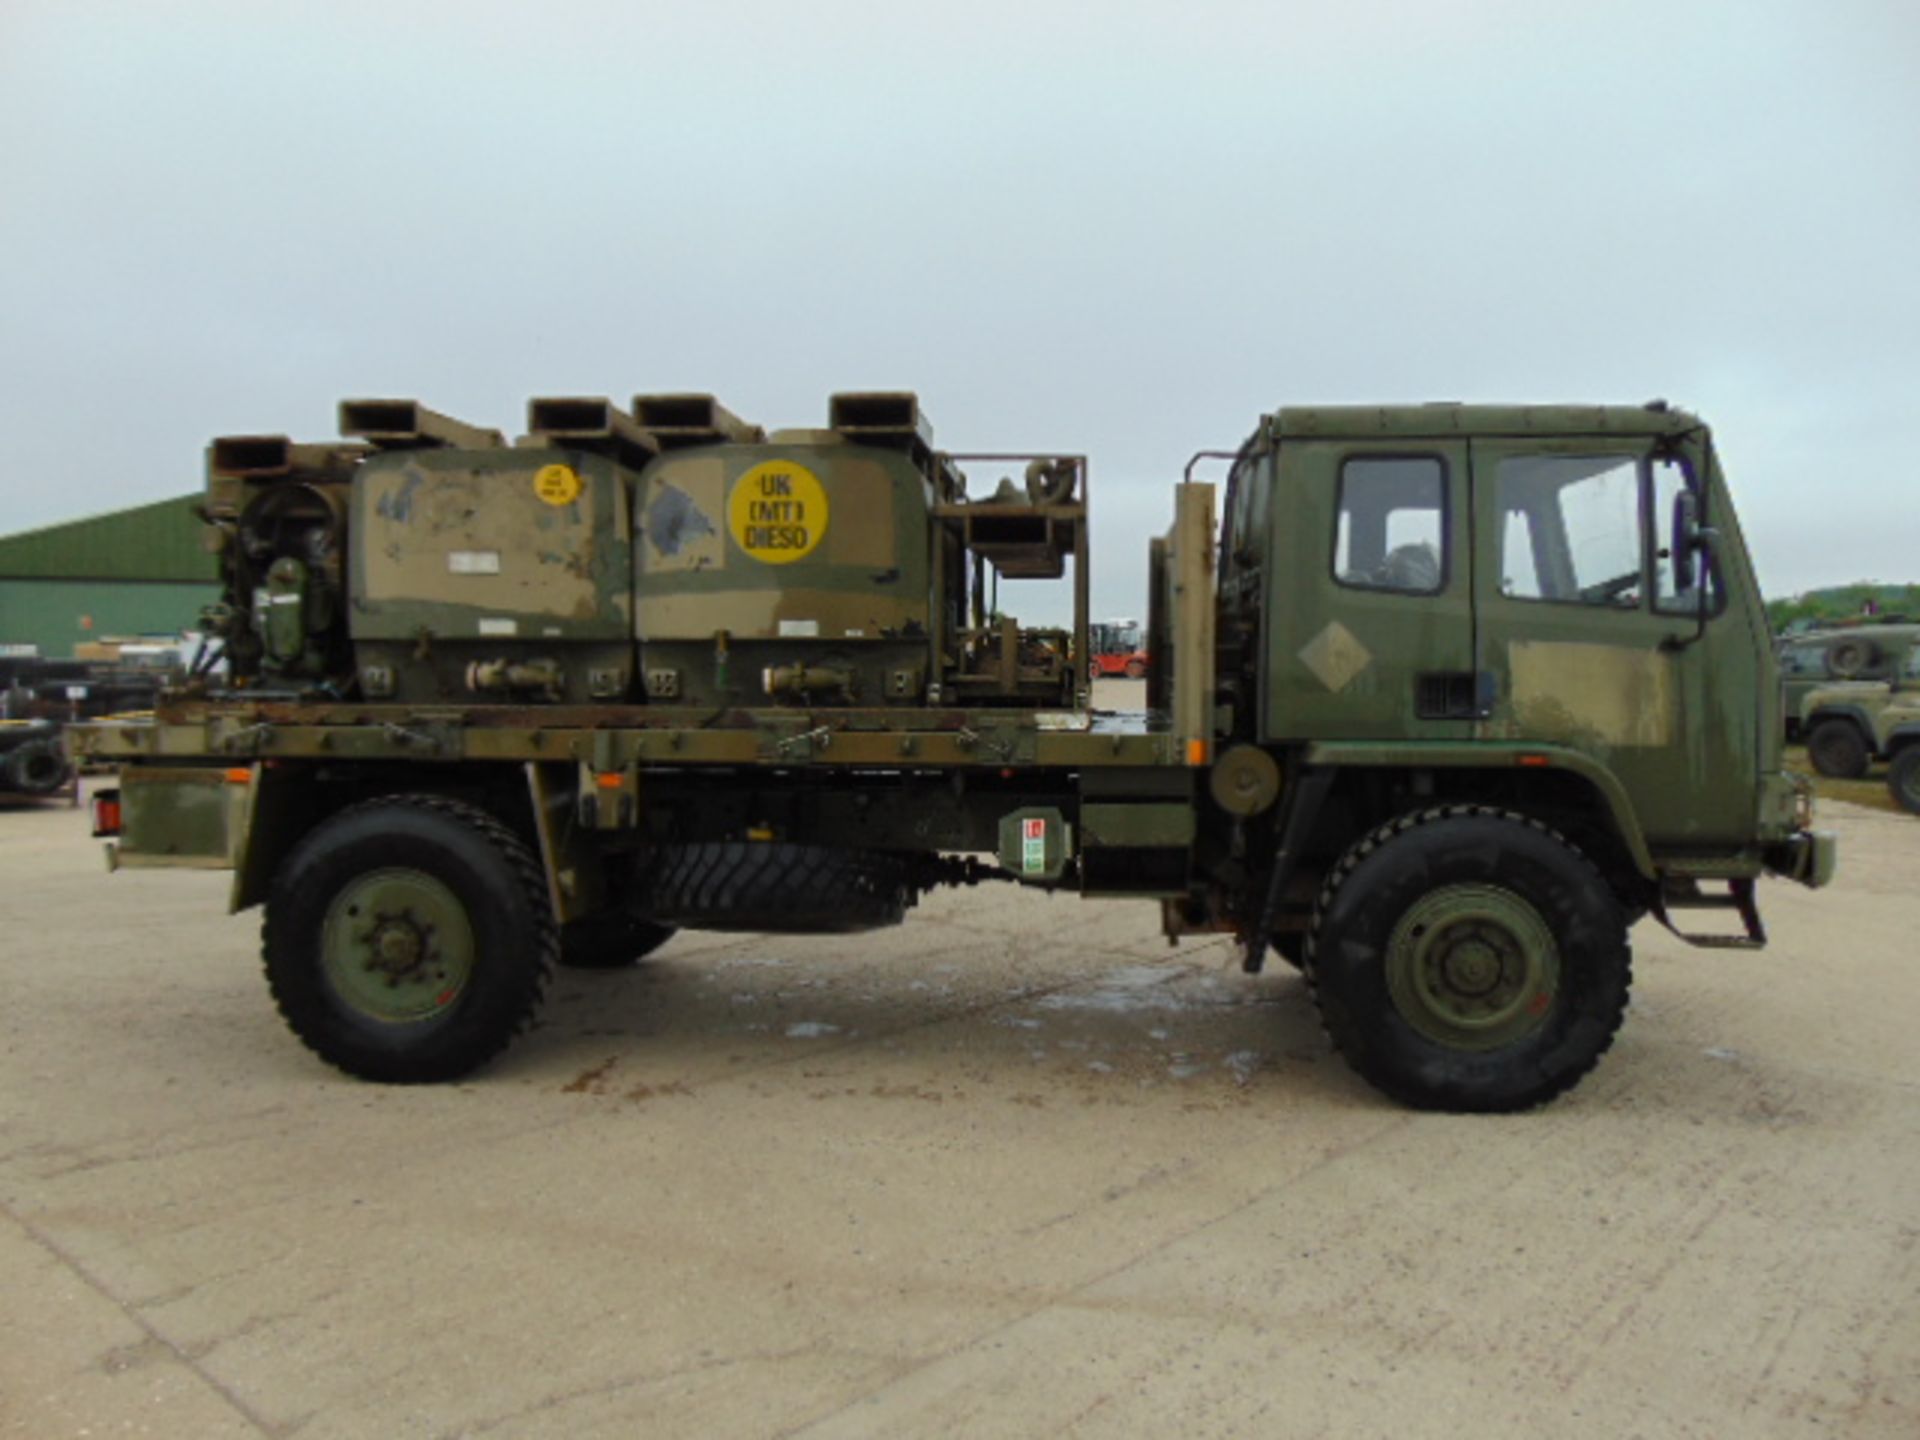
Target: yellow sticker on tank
557	484
778	512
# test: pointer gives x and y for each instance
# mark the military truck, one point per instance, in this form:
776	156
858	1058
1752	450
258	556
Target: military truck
1469	691
1867	653
1852	725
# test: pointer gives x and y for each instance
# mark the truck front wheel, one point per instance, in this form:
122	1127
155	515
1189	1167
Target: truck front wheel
409	939
1469	959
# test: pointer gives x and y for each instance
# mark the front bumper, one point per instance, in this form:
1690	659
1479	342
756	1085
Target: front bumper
1809	856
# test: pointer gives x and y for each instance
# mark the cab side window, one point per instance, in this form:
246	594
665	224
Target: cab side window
1391	532
1249	487
1571	529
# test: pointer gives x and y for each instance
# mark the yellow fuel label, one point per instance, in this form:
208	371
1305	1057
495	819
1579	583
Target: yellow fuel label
778	512
557	484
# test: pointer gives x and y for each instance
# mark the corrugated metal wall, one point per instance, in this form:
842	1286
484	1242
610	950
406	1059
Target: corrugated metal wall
160	541
56	615
140	571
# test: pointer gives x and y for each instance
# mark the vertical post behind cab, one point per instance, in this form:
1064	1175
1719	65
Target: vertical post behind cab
1189	554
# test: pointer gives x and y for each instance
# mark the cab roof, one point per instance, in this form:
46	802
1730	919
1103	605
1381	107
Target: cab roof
1452	418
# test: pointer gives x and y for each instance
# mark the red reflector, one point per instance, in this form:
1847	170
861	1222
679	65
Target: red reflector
239	775
609	781
106	814
1533	762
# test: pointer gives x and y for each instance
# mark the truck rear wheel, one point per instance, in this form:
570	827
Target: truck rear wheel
1903	779
1469	959
408	940
1838	750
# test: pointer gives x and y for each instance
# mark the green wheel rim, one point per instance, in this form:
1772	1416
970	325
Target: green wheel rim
1473	967
397	945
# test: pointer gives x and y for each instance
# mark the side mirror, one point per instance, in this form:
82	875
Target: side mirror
1687	539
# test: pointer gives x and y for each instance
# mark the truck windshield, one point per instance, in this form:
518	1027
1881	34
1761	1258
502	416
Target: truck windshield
1804	660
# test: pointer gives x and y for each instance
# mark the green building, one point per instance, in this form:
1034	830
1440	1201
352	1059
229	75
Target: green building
129	572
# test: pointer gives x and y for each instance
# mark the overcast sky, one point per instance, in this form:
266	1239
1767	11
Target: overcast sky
1127	229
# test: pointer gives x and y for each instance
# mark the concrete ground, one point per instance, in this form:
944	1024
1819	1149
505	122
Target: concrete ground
1014	1169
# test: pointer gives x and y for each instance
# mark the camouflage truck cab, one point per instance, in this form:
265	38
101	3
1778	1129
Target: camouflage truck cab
1444	620
1456	696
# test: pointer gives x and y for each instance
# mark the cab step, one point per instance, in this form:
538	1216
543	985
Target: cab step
1685	893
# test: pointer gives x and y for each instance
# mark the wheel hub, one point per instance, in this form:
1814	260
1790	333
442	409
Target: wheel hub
1472	967
397	945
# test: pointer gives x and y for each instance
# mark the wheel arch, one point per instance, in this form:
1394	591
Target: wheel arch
1851	714
1556	785
290	801
1902	737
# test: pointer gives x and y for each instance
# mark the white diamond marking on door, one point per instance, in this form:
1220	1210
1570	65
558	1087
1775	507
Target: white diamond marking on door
1335	656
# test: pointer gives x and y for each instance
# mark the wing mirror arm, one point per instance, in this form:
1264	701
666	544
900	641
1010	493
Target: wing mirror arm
1692	538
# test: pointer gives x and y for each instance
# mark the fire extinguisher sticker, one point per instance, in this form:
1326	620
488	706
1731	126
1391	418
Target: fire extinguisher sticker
1033	850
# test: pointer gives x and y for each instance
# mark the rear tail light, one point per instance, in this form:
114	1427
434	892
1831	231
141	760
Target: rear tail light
106	813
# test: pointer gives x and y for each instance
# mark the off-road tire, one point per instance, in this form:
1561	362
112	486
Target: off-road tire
491	872
610	940
1379	881
775	887
1136	669
1094	672
1851	658
1903	779
1837	749
37	767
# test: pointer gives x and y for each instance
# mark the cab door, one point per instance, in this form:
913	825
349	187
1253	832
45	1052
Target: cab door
1370	588
1590	639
